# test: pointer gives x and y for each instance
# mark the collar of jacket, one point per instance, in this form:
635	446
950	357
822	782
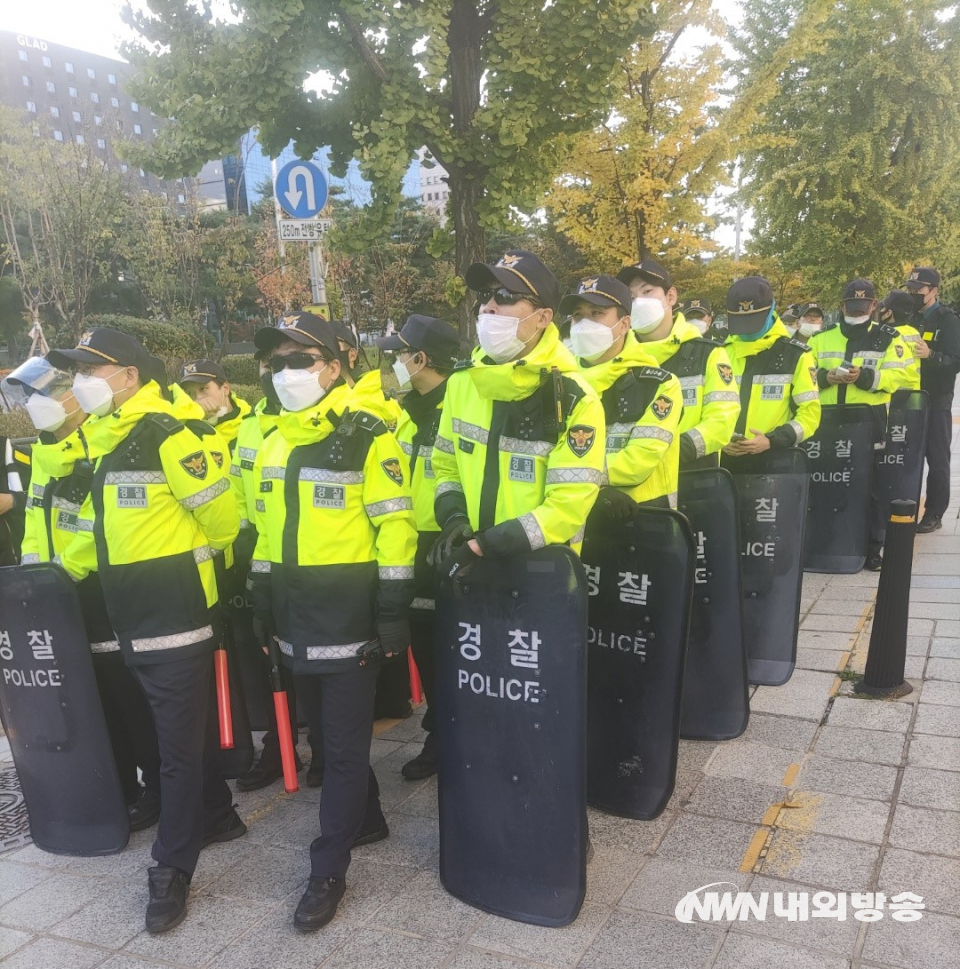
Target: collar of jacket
634	354
748	348
264	416
518	379
103	434
229	425
368	395
853	332
421	406
57	458
681	333
930	310
185	408
313	424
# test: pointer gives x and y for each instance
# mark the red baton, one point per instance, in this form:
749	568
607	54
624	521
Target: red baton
223	698
282	709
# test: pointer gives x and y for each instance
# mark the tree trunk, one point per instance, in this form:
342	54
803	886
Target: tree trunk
465	192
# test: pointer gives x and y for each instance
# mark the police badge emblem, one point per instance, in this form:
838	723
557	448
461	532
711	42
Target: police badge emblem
580	439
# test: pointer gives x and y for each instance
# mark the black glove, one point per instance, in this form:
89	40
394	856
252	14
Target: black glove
456	533
688	450
262	630
615	504
394	635
458	563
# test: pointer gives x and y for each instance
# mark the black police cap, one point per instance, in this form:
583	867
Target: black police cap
696	307
434	337
103	345
900	304
202	372
859	289
599	290
748	303
649	270
304	328
520	272
807	308
922	276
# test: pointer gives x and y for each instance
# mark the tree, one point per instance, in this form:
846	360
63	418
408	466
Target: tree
861	142
486	86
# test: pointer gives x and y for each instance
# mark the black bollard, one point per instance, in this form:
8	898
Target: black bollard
888	639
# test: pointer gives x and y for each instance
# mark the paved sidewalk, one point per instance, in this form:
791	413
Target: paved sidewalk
824	791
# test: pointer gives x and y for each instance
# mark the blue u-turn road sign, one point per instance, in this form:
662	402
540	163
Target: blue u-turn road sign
301	189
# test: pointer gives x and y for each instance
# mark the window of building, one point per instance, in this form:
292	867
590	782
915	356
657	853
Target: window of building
51	87
124	167
36	130
79	139
115	102
97	119
134	106
26	80
101	143
23	56
181	198
47	62
69	67
32	107
91	73
143	174
94	97
73	92
77	117
55	111
154	132
137	129
58	136
112	78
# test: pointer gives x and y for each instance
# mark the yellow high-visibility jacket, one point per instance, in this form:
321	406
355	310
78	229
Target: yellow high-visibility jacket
711	403
520	450
249	441
368	393
335	531
642	405
159	506
778	389
910	335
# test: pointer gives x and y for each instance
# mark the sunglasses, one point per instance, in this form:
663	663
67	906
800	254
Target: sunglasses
293	361
503	297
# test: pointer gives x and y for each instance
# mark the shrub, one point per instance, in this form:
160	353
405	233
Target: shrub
251	393
241	368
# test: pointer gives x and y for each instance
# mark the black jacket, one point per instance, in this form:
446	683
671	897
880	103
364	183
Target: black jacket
938	373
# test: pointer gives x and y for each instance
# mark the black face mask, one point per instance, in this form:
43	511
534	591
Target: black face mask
269	391
918	299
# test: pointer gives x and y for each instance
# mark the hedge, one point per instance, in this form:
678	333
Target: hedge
241	368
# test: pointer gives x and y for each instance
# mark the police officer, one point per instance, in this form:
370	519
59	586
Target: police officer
699	312
519	454
424	353
61	476
710	400
158	506
779	400
896	310
14	482
206	383
642	403
939	353
333	577
809	322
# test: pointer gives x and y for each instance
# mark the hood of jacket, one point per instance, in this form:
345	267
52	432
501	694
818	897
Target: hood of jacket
664	349
602	376
750	348
313	424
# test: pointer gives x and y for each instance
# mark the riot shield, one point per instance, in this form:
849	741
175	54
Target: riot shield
53	716
840	458
772	496
511	711
640	579
900	465
716	704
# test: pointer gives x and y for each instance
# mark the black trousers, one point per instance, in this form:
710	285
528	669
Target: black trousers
339	708
133	736
193	794
939	435
424	652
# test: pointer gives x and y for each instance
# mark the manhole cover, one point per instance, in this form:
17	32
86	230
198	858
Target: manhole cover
14	823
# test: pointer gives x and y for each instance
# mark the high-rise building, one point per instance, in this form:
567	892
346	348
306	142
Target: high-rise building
434	189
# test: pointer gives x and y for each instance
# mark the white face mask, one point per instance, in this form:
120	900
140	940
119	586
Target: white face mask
47	413
94	394
700	323
646	314
498	338
590	339
808	329
403	375
856	320
298	389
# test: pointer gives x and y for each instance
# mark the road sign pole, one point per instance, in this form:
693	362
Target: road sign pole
277	214
318	283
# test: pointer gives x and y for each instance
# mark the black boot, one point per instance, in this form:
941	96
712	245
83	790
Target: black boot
267	769
929	523
425	763
374	829
315	772
145	812
169	888
319	903
229	827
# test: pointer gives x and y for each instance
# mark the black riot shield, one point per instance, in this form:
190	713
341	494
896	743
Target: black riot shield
640	579
53	716
840	458
511	715
899	468
716	704
772	495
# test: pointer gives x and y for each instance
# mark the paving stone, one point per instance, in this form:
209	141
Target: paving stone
930	788
845	623
211	924
381	747
693	754
855	743
946	566
559	947
925	829
124	961
836	814
933	610
816	859
938	753
834	776
804	695
870	714
265	874
662	883
609	831
374	949
941	692
216	860
414	842
916	645
820	659
915	627
53	900
913	667
32	855
734	798
11	940
710	841
929	943
824	640
948	627
742	951
790	733
934	878
935	582
750	761
370	885
423	907
54	954
16	879
609	874
408	730
683	786
943	668
110	920
661	942
942	721
471	958
918	594
947	648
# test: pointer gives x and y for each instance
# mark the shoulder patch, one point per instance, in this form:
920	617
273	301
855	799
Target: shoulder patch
800	346
393	470
368	422
661	407
580	438
889	330
726	372
652	373
195	465
899	349
166	422
217	458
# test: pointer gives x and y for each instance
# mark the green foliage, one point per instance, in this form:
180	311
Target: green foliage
251	393
241	368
